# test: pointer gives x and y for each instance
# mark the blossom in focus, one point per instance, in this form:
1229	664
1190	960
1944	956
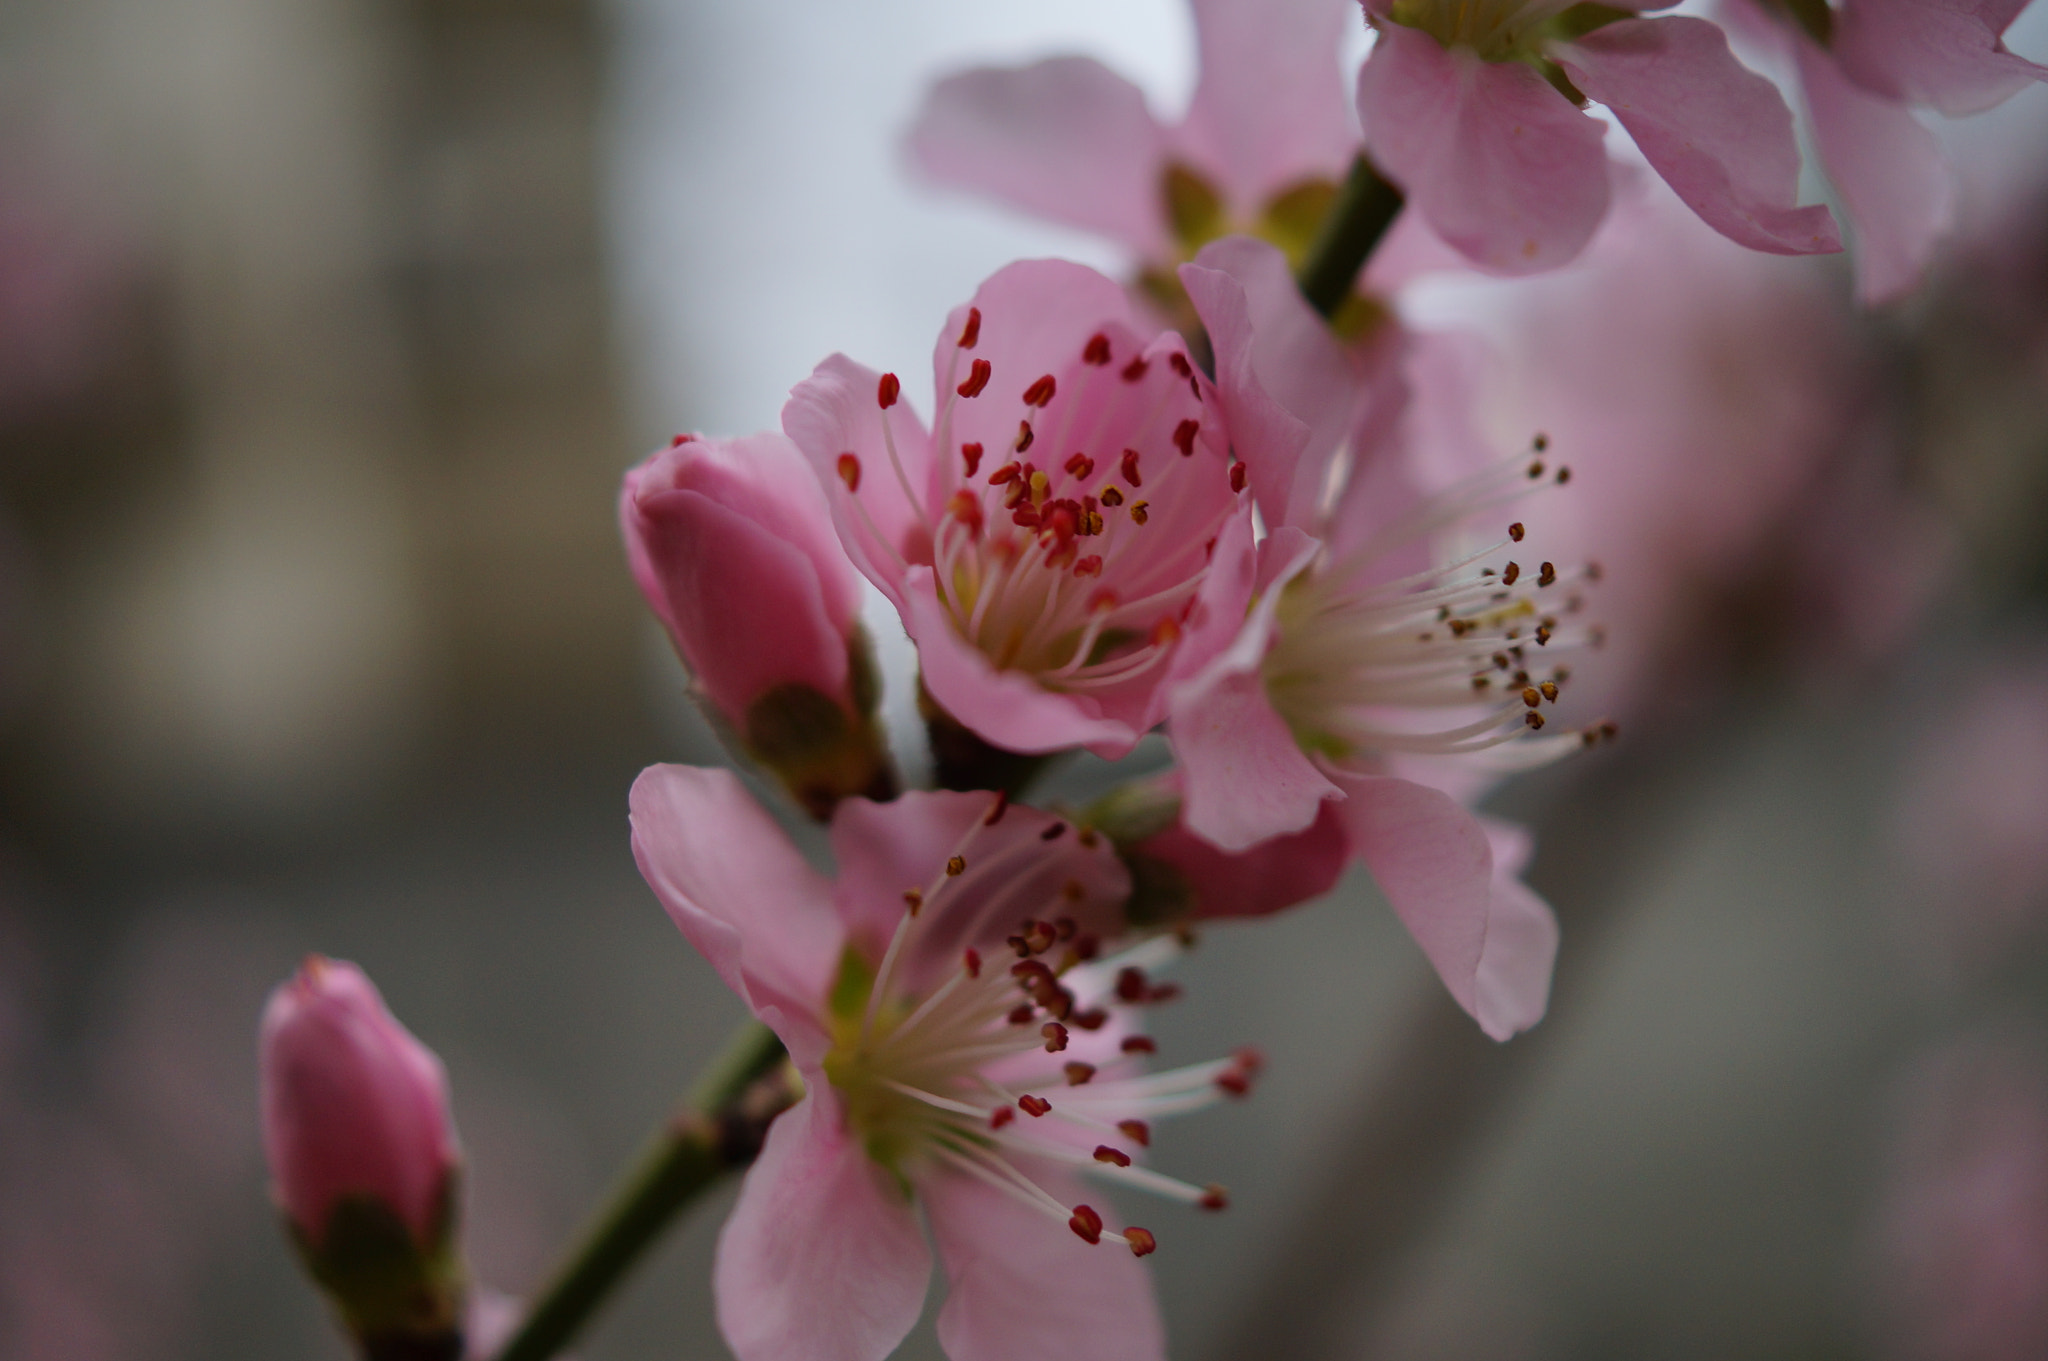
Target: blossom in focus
1472	110
734	550
1068	533
362	1152
965	1047
1367	664
1267	136
1863	66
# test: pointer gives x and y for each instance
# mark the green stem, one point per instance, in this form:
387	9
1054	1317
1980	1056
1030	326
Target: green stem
720	1131
1366	206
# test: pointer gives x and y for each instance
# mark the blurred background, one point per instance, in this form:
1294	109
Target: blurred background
326	329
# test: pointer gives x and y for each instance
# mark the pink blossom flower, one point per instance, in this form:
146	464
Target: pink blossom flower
734	550
962	1048
353	1106
1862	66
1069	531
1267	135
1338	683
1466	107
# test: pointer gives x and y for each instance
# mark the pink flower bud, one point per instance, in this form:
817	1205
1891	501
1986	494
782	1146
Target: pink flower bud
353	1106
733	546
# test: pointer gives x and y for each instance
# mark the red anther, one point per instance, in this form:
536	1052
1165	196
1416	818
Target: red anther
1041	936
978	374
1000	1116
971	332
1138	511
1087	835
1130	983
680	440
1214	1197
913	899
888	390
1112	498
1532	718
1078	1073
956	866
1143	1244
1233	1083
1541	442
1055	1036
1033	1106
1564	475
1021	1015
1137	1131
1129	468
972	959
1530	697
1546	574
1040	392
1023	437
997	809
1032	972
1163	992
1060	1003
1020	945
1535	470
1009	472
849	471
1140	1044
1062	518
1087	1224
1025	516
1179	363
970	455
1250	1059
1515	531
1115	1157
1096	351
1512	574
1237	477
1086	948
1135	370
1184	437
1092	1019
1080	466
1054	832
965	507
1167	629
1194	387
1067	927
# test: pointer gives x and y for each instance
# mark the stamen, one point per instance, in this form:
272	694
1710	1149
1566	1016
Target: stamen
1143	1244
971	332
849	471
1137	1131
887	390
1184	435
1096	352
1087	1224
1115	1157
1078	1073
1033	1106
978	374
970	455
1055	1036
1040	393
1139	1044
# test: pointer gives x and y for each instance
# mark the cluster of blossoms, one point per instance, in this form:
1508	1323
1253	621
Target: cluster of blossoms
1222	502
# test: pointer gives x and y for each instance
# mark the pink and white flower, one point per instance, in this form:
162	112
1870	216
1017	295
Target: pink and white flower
1068	534
1471	108
1368	670
963	1049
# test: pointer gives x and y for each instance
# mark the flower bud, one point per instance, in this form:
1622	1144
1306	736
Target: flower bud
363	1159
734	549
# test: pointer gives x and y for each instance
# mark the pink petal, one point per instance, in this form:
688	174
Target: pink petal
1066	139
1513	984
1245	778
1895	187
836	411
1262	879
1945	53
822	1259
1504	168
1718	133
1013	873
1433	862
1290	391
1270	108
1024	1287
739	891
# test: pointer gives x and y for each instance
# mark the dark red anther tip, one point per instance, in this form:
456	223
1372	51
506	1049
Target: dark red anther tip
1143	1244
1078	1073
1214	1197
970	455
1054	832
887	390
1055	1036
1024	437
1087	1224
1137	1131
972	959
1140	1044
1237	477
1022	1014
1130	984
849	471
1135	370
1129	468
1179	363
1115	1157
978	374
997	809
1184	437
1000	1116
971	332
1041	391
1092	1019
680	440
1033	1106
1515	531
1096	351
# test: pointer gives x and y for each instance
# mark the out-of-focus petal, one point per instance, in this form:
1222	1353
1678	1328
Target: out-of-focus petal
1889	171
822	1259
1513	986
1718	133
1504	168
1270	107
1066	138
1262	879
1024	1287
1945	53
736	887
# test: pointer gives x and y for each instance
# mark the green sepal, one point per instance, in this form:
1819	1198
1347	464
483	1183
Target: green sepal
1582	19
1293	218
402	1299
821	751
1194	210
1129	816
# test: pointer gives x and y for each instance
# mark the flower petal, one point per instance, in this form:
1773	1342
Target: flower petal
1502	165
1895	187
1269	110
1945	53
1262	879
1066	139
1024	1287
822	1259
1512	989
737	888
1718	133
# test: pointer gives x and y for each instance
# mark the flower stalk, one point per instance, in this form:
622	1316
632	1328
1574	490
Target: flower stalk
719	1131
1366	207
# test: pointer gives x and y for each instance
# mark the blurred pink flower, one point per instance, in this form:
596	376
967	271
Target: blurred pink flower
1068	534
941	1064
1963	1223
1462	106
353	1106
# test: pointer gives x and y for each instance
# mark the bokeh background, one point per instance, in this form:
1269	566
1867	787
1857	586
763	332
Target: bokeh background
326	329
